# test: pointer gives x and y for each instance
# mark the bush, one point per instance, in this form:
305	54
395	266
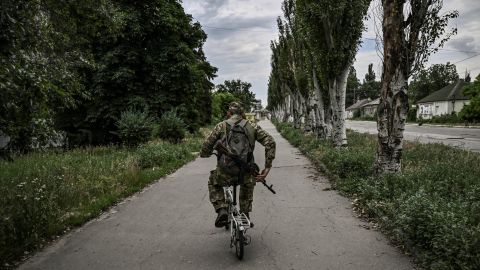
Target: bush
446	119
134	127
170	127
412	115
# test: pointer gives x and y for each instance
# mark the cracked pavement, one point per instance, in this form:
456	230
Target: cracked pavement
170	225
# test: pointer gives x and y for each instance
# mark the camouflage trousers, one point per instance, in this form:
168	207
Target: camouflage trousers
219	179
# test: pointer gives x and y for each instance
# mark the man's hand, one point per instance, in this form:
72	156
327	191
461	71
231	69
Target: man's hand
261	177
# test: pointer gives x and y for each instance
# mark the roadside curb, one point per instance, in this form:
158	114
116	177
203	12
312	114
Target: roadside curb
431	125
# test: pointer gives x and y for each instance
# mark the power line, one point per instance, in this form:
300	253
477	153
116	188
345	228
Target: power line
442	49
467	58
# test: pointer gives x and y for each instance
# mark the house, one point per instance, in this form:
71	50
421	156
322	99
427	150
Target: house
447	100
357	106
370	109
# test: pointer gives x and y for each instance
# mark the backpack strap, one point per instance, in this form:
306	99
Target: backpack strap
229	123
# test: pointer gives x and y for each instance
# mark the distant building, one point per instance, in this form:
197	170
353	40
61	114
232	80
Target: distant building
370	109
447	100
357	106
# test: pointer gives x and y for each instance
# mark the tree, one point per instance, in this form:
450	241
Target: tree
239	89
155	64
410	31
82	63
370	88
427	81
353	87
471	112
42	48
220	102
333	31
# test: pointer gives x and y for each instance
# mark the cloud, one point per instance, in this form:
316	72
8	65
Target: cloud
239	34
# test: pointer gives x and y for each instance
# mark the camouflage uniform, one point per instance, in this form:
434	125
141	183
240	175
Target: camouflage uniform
219	179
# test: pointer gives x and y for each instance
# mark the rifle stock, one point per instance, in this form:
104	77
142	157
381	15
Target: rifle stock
251	169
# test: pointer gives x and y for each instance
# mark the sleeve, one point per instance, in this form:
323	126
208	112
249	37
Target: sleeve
268	142
209	143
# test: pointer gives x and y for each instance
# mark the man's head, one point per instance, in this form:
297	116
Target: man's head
235	108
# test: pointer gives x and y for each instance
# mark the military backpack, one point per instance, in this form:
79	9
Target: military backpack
238	140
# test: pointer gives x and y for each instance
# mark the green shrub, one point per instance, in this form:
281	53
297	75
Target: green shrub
170	127
134	127
446	119
412	115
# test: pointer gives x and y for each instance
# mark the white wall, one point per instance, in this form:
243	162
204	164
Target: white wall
437	108
459	104
425	110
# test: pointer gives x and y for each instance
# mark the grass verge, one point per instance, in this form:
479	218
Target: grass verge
432	208
44	194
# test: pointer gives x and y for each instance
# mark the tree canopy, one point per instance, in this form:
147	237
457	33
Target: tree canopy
240	90
471	112
82	63
427	81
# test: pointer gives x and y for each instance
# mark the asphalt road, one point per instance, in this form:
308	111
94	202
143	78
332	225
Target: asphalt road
465	138
170	226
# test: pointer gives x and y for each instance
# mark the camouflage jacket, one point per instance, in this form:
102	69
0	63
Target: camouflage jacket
259	134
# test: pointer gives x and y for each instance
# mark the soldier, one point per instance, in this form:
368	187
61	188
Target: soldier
220	178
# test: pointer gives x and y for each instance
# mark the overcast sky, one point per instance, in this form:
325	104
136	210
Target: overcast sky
240	31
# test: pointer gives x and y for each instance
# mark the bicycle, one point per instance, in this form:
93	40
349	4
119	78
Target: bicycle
238	223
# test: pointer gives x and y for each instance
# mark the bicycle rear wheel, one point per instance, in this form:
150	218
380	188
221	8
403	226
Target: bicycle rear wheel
239	243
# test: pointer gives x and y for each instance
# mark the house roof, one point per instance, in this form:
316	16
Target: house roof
452	91
374	102
358	104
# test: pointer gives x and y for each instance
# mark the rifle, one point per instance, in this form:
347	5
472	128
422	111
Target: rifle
250	168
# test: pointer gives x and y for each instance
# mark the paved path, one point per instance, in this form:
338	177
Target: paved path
465	138
170	226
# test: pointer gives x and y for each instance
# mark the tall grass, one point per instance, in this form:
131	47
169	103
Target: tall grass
432	208
43	194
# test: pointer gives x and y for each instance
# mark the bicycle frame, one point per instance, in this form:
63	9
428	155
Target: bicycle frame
238	222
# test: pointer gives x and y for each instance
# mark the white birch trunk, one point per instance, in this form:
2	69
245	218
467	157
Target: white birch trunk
392	114
319	110
337	88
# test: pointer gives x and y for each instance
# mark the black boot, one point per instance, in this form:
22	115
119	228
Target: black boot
222	218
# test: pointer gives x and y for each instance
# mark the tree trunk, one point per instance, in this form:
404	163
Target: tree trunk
337	88
309	116
393	108
319	110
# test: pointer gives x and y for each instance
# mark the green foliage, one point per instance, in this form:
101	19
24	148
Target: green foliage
471	112
134	127
170	127
38	63
220	102
353	86
431	208
44	194
82	63
432	79
370	88
334	29
240	90
444	119
412	115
